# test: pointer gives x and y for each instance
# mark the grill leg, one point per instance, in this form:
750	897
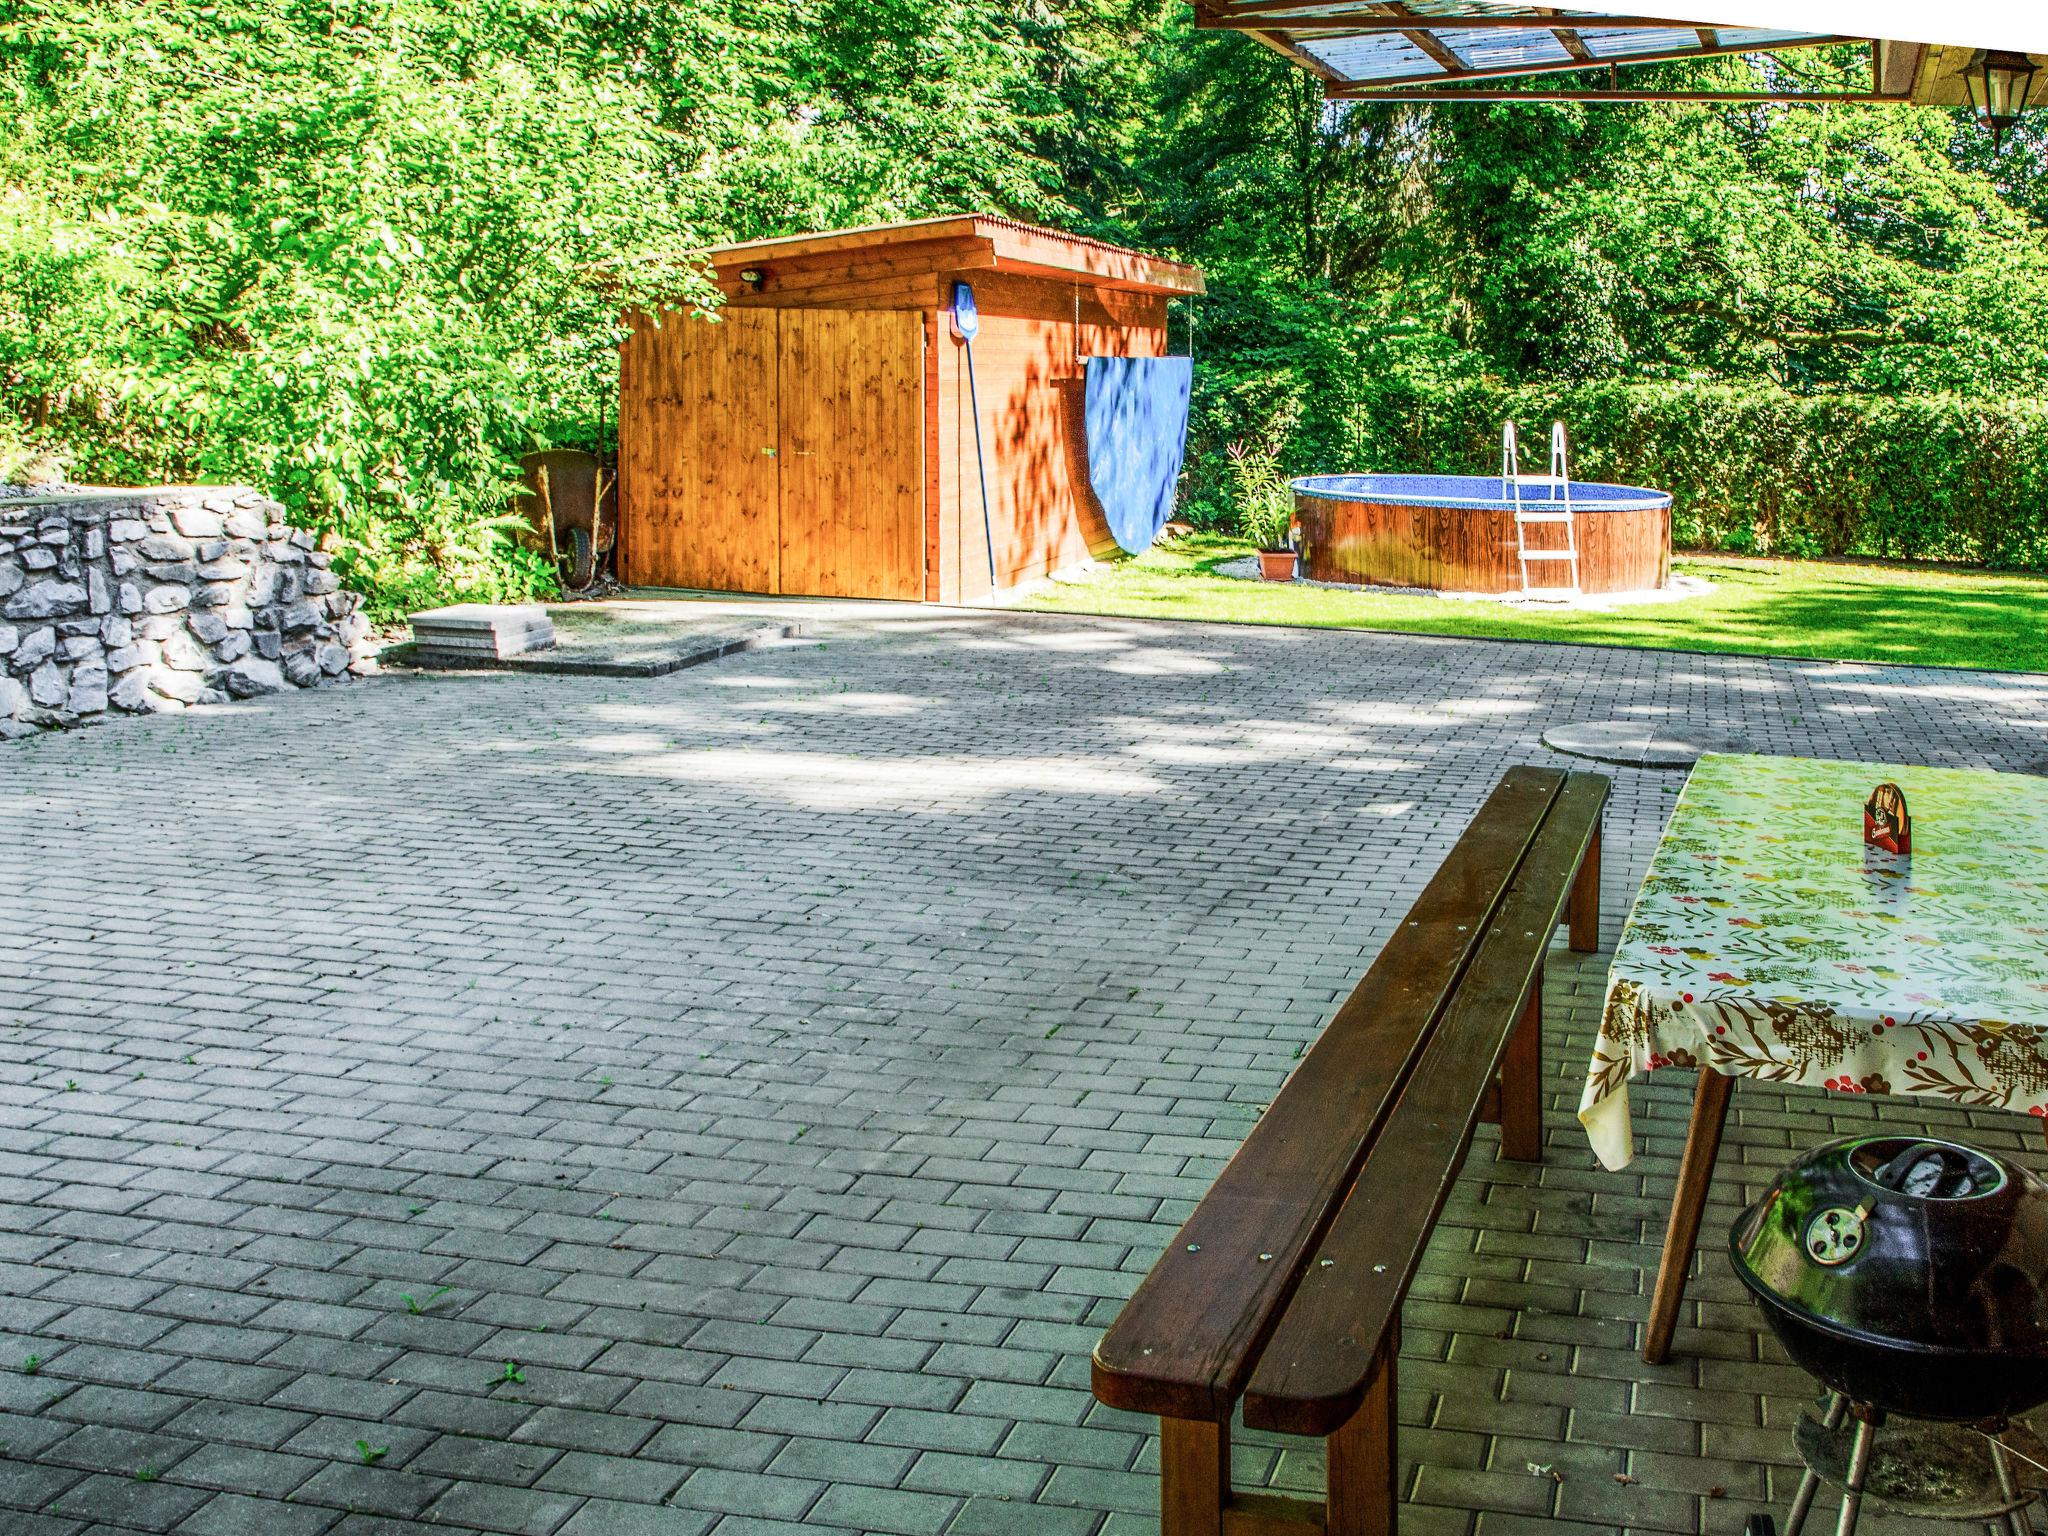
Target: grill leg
2016	1522
1802	1502
1809	1481
1859	1473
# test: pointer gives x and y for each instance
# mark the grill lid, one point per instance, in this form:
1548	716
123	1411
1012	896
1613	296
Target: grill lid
1905	1243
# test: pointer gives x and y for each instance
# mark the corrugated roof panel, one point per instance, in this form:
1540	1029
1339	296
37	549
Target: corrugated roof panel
2016	24
1757	37
1377	56
1466	8
1506	49
1306	13
1620	45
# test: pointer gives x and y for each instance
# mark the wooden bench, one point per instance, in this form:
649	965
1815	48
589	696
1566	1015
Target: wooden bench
1284	1288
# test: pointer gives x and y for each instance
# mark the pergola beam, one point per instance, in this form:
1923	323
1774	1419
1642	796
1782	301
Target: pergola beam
1435	47
1569	40
1280	43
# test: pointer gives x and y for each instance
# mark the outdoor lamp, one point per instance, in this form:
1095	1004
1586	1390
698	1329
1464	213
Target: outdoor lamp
1999	83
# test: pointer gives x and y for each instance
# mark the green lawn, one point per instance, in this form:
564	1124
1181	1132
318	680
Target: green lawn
1812	608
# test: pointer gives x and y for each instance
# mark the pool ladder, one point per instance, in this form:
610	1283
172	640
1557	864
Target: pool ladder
1557	488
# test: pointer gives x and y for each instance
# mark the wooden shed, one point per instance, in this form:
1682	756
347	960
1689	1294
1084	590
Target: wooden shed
816	437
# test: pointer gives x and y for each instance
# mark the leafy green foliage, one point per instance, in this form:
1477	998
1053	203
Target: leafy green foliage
349	252
1757	469
363	252
1818	249
1265	505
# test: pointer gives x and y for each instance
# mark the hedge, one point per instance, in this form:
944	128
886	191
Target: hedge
1761	470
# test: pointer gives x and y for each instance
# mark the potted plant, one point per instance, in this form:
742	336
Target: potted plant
1265	509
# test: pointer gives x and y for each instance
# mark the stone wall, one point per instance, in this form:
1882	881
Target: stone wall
158	599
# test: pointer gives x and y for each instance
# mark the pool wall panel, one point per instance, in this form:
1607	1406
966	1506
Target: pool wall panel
1472	549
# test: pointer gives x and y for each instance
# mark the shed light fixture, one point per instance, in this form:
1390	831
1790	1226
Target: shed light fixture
754	278
2000	83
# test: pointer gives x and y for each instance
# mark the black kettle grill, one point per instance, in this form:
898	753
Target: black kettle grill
1910	1276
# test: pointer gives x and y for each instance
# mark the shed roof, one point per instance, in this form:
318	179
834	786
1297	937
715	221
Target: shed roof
969	240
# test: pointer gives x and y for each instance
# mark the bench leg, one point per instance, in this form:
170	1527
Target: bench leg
1521	1083
1583	907
1194	1477
1364	1458
1688	1204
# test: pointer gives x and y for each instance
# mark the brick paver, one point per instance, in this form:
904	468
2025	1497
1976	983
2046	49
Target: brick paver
736	1101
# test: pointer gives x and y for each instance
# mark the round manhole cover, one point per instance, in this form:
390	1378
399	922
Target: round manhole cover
1662	743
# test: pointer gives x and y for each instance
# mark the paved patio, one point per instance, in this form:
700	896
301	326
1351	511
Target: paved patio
736	1101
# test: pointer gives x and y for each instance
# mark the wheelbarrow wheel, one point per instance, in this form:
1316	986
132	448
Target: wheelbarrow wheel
582	559
1759	1525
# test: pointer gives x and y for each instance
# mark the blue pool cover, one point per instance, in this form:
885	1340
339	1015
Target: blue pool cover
1136	415
1476	491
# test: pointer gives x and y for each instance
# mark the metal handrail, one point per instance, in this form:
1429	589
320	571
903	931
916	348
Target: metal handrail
1559	478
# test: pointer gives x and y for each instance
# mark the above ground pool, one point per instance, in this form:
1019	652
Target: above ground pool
1456	533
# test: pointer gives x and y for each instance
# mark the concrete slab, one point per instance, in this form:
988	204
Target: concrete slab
470	632
624	637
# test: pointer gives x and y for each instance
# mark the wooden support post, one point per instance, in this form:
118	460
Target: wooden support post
1688	1203
1584	905
1521	1082
1194	1477
1364	1456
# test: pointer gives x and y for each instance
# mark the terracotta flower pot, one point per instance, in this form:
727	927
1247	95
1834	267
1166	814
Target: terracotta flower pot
1276	564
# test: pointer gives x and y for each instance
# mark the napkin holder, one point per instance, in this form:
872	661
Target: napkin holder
1886	822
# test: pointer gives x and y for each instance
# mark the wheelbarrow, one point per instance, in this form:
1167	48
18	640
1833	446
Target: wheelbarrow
570	500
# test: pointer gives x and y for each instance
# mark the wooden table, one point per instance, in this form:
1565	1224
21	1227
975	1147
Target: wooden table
1770	941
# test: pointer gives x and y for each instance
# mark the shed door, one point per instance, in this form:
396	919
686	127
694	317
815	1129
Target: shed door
697	448
853	453
777	450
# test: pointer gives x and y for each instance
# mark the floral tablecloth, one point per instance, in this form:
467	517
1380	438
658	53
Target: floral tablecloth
1769	941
